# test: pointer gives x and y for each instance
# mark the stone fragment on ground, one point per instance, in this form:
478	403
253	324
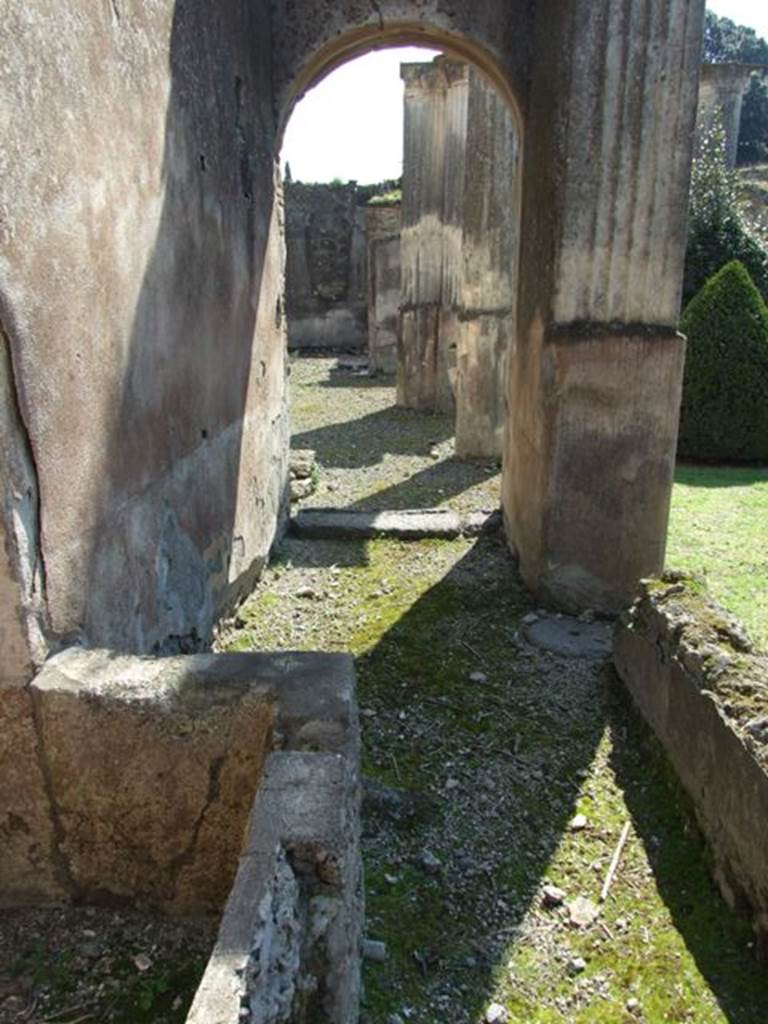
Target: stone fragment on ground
496	1014
301	463
582	912
552	896
405	524
568	636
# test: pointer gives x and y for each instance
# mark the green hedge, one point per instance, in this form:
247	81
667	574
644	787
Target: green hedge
725	389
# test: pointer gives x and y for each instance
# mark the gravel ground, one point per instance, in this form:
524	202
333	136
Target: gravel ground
89	965
499	777
372	454
498	780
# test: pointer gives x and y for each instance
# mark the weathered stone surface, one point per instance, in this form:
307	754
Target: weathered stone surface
595	375
326	265
384	284
721	91
140	290
595	444
290	938
407	525
153	767
569	637
685	665
152	764
490	219
301	462
431	255
30	871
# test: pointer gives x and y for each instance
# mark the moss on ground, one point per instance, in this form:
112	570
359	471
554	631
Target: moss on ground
489	748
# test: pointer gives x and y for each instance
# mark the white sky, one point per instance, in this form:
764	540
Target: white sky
350	126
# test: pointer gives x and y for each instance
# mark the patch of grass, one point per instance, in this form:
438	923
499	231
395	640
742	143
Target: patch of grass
719	527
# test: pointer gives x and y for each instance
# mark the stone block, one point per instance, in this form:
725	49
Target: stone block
152	763
289	942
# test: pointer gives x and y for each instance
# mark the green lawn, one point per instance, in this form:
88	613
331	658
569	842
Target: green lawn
719	526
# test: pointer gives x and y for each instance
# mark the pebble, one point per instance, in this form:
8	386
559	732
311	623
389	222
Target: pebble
530	618
552	896
478	677
578	823
429	862
577	964
582	912
308	593
374	950
451	783
496	1014
633	1004
142	962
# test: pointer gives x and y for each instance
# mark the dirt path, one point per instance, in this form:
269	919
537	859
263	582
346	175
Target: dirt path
479	753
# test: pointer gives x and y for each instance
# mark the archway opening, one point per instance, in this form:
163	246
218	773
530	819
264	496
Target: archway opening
402	230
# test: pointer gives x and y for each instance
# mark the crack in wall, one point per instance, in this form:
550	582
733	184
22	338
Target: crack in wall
181	860
22	506
59	860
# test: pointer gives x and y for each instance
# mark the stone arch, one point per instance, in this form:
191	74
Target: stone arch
357	42
606	94
454	343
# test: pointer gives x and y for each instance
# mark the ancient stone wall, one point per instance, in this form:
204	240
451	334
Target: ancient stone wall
143	429
326	266
694	677
384	283
141	307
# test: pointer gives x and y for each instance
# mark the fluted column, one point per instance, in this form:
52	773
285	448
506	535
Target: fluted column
433	187
490	232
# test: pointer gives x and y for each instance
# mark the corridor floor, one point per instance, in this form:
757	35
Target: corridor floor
499	777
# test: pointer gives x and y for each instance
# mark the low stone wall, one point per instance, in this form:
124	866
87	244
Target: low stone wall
692	673
168	778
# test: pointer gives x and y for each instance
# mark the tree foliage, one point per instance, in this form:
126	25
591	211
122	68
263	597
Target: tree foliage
727	42
717	232
724	413
753	131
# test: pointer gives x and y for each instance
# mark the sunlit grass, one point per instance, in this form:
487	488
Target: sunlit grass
719	527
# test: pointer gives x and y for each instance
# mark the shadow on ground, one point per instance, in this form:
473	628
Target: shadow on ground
353	444
694	474
495	771
478	752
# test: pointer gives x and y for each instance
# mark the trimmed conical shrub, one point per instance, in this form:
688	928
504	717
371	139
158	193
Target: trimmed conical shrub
725	389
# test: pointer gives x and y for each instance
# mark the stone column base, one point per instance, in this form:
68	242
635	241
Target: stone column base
590	458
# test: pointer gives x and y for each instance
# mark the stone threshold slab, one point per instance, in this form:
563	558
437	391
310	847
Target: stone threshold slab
406	524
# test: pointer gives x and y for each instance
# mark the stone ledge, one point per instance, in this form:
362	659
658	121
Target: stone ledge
289	943
691	671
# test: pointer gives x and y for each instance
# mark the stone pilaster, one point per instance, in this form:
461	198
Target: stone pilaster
595	375
490	233
721	89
